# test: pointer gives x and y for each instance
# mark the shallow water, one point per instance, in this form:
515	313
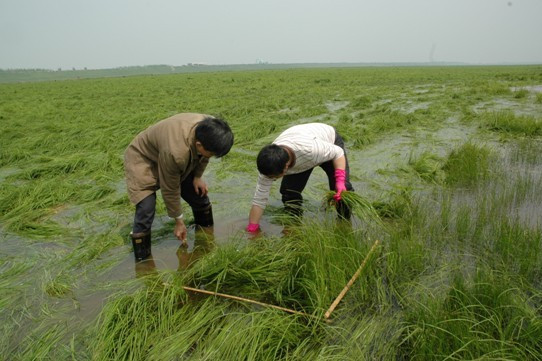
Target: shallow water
532	88
517	107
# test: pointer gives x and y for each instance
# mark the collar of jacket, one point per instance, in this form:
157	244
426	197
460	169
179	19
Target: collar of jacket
194	156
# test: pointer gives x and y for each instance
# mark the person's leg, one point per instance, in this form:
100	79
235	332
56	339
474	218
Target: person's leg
141	231
201	205
291	187
144	214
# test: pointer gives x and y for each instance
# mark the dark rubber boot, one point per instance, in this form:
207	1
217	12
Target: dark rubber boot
343	211
142	245
203	217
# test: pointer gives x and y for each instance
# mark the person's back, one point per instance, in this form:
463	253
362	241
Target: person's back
172	135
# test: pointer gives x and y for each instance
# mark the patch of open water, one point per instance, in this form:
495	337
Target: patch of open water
531	88
517	107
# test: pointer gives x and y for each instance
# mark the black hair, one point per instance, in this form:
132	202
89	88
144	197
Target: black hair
215	135
272	160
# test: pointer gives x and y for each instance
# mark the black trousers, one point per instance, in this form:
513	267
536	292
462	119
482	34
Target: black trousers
293	184
145	210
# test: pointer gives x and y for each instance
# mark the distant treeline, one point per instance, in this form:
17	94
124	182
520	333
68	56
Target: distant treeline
32	75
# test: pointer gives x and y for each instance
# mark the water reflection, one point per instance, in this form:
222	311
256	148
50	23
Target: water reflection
204	242
145	268
187	253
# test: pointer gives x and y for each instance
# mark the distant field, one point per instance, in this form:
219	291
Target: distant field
448	157
32	75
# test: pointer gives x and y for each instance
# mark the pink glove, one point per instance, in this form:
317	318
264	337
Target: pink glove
340	178
253	227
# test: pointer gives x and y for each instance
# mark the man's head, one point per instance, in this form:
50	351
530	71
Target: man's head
215	136
272	161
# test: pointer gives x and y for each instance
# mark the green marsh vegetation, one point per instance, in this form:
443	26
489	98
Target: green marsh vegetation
449	158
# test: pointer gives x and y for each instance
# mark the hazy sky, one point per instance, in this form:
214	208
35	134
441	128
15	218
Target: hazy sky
111	33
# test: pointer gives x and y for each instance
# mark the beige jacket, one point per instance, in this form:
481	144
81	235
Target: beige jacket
161	157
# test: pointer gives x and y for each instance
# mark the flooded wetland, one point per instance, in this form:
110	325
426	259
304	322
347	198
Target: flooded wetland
449	159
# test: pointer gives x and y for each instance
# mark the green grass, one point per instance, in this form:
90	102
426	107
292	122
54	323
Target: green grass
455	205
487	317
509	123
467	165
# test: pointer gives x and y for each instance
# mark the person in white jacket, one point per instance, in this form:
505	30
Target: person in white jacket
292	156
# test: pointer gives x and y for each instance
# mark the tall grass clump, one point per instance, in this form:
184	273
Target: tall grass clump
467	165
521	93
487	317
509	123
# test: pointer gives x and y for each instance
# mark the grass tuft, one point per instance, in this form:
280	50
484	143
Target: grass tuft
467	165
509	123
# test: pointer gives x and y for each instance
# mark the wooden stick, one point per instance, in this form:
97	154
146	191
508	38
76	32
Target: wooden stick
350	283
210	293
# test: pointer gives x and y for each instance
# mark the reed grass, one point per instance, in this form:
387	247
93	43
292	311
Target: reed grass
509	123
359	205
521	93
294	273
487	318
467	165
457	276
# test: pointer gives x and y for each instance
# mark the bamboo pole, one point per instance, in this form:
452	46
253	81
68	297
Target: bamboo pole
350	283
210	293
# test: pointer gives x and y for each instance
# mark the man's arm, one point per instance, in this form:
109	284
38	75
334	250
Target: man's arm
170	179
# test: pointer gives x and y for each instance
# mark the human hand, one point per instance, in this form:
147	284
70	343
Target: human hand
200	186
180	231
